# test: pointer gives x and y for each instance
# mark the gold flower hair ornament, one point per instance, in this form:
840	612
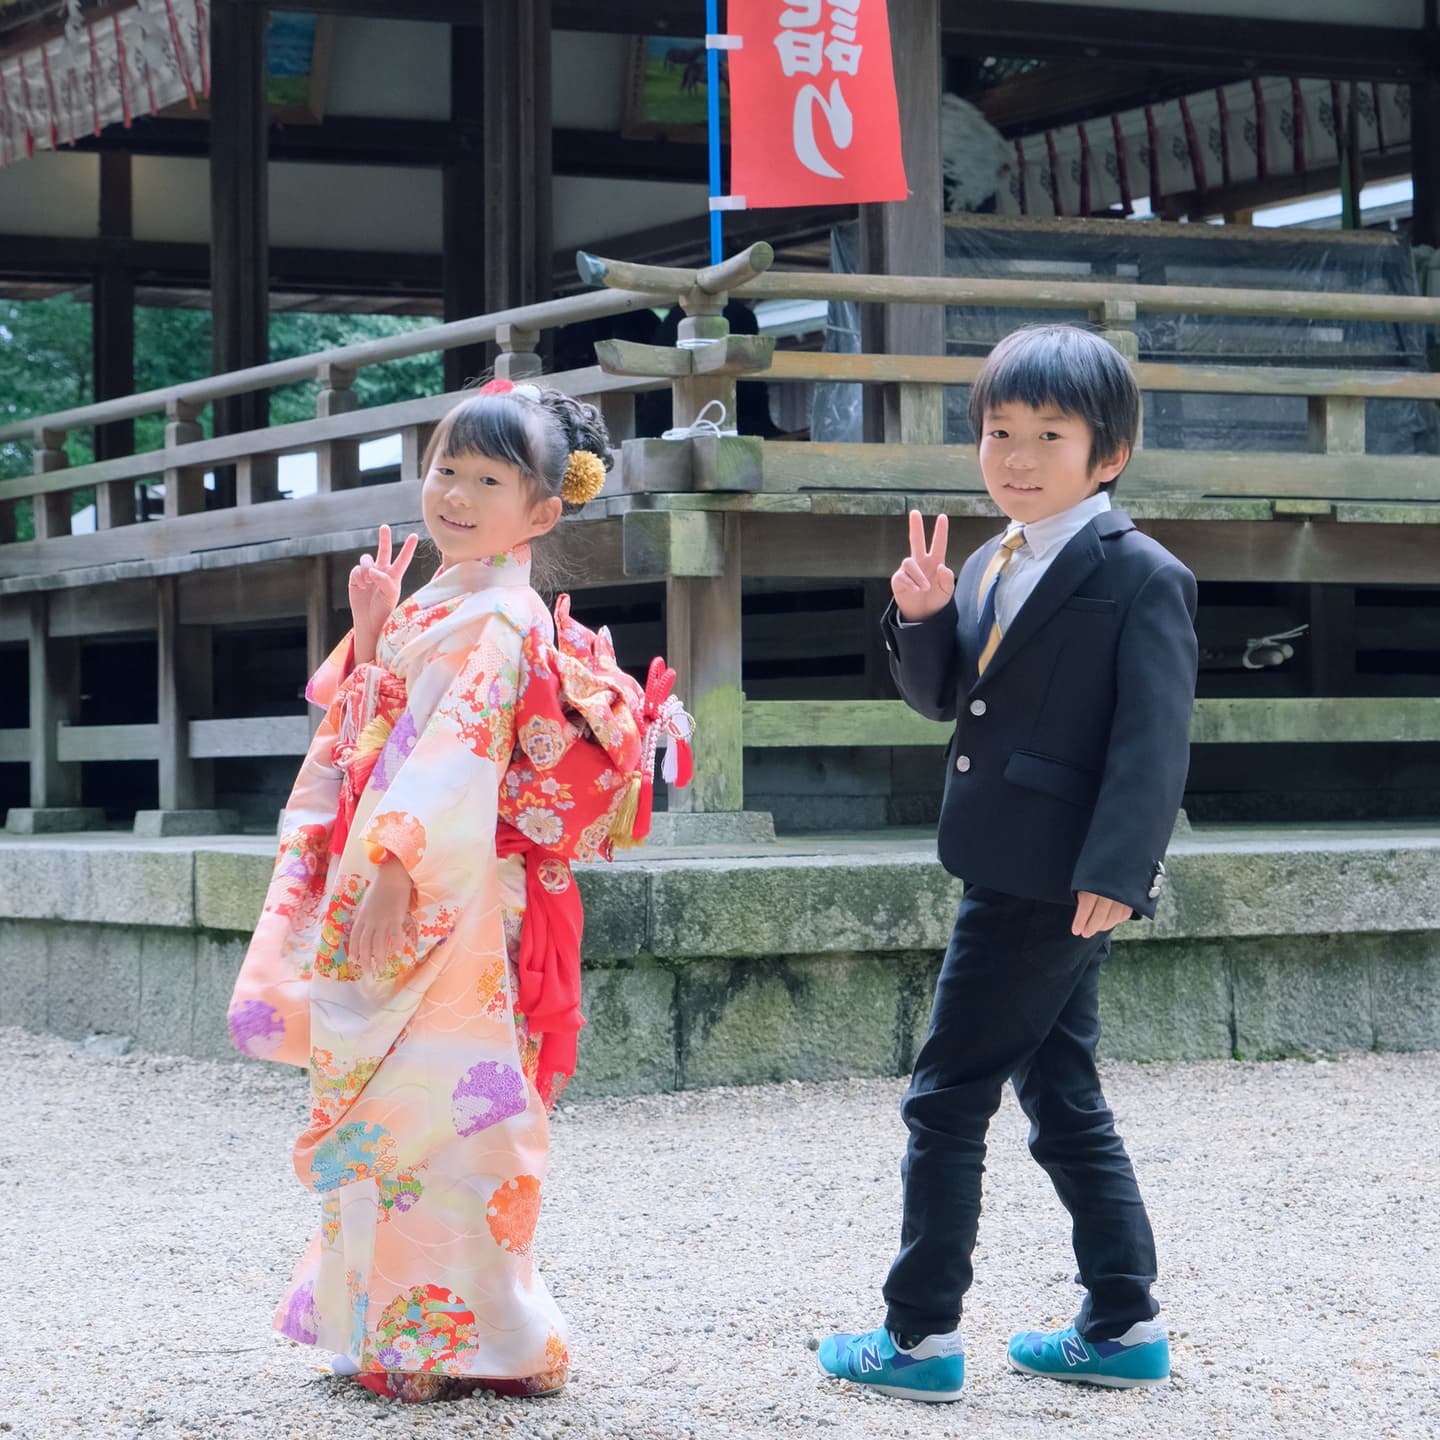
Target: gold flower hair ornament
584	477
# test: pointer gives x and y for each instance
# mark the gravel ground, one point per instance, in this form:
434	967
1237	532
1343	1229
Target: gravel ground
148	1216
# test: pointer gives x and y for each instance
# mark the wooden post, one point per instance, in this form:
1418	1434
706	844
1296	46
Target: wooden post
337	461
464	215
54	700
52	511
186	692
239	207
519	357
690	393
1337	424
519	241
256	479
908	238
185	485
319	617
114	336
413	440
702	642
1116	319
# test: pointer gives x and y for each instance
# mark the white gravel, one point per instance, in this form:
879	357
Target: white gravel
148	1216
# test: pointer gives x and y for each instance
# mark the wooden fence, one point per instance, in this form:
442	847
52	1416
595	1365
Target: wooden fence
696	514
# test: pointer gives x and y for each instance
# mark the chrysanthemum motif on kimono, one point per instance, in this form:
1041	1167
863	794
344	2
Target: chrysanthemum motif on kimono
540	824
400	1193
304	855
334	1088
332	956
543	740
428	1328
487	1094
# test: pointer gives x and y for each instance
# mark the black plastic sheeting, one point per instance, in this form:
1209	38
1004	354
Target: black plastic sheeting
1135	253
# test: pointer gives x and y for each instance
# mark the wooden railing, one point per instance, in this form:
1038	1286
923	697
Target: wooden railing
695	513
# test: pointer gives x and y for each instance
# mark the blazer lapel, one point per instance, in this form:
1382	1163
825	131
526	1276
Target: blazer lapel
967	605
1081	554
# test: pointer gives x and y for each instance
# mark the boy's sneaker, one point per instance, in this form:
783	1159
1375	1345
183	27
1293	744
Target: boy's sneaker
1141	1356
934	1370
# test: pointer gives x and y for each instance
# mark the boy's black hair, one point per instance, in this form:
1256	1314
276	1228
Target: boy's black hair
1070	369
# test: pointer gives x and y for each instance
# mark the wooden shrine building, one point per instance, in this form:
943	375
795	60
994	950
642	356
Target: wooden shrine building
471	161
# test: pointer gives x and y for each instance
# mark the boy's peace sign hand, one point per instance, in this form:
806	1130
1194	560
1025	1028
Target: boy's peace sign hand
375	591
924	583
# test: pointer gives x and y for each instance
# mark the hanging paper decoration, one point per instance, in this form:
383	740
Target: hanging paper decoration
813	113
1253	130
103	71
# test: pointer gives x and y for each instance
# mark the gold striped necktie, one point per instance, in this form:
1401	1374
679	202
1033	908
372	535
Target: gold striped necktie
989	585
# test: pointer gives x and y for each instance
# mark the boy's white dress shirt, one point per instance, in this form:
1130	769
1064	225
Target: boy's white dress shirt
1044	540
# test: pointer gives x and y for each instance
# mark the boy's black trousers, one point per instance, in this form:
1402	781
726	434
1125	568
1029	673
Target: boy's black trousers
1018	997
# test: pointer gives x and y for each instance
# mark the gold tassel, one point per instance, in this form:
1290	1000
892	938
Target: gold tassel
622	824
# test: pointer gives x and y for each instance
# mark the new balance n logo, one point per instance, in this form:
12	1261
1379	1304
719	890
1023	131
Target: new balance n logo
1072	1348
869	1358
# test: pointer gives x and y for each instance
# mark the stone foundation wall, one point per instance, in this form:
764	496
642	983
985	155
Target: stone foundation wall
744	970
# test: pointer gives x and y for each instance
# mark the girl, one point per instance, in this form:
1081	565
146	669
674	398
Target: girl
393	958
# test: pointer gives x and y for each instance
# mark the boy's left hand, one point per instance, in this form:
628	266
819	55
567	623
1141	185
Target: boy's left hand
1095	914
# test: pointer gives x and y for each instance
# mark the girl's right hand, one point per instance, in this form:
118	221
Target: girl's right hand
923	584
375	591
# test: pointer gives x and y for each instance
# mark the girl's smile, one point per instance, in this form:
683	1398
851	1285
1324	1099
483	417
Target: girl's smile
476	506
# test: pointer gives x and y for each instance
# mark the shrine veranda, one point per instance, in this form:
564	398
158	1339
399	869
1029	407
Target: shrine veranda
151	668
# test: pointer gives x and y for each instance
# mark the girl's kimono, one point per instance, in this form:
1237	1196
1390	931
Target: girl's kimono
428	1137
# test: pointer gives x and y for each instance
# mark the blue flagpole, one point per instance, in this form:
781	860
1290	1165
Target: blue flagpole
712	101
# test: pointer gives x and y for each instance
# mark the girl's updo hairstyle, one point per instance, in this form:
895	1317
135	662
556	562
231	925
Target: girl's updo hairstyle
534	427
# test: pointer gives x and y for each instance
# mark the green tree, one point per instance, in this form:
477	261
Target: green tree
45	366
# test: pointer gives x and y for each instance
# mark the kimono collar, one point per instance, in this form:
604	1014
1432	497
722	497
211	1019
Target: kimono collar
509	569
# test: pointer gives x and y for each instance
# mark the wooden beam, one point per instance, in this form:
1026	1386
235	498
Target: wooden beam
1205	43
443	12
383	140
239	205
1230	721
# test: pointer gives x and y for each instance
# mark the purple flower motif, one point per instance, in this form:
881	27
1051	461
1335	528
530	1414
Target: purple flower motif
299	1322
487	1094
396	752
256	1028
389	1357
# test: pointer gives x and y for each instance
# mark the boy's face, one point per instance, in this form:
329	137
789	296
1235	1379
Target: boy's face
1036	463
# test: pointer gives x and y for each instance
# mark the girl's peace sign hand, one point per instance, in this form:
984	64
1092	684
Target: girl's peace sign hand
924	583
375	591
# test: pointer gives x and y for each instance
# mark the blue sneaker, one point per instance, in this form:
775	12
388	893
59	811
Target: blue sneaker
934	1370
1141	1356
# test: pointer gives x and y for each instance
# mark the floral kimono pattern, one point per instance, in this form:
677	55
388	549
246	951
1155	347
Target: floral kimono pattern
428	1139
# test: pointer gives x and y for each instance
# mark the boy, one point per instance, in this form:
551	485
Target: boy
1065	653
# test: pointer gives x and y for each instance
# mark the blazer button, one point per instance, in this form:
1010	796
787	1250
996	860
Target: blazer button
978	707
962	764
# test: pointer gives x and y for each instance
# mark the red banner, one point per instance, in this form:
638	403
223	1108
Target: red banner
813	115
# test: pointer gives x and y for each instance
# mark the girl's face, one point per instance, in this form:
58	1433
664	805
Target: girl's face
475	507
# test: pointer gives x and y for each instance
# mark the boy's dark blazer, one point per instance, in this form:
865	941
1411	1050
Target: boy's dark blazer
1069	757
